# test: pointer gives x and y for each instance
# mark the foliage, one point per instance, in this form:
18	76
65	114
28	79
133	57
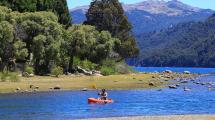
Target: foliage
77	61
108	62
29	70
122	68
57	71
38	39
89	65
109	15
59	7
85	63
86	43
9	76
107	70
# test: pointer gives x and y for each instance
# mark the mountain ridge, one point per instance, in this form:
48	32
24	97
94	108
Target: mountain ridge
151	15
188	44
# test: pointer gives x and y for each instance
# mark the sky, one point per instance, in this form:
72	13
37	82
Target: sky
207	4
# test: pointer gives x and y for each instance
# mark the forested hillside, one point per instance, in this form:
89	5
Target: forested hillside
57	6
188	44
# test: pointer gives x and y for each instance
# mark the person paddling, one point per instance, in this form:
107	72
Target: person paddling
103	94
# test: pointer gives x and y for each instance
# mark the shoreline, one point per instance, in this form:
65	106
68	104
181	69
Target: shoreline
137	81
162	117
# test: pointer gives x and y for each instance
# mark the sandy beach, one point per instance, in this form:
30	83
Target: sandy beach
175	117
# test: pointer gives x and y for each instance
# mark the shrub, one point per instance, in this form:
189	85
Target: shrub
105	70
56	71
14	77
29	70
88	64
76	61
109	62
85	64
123	68
9	76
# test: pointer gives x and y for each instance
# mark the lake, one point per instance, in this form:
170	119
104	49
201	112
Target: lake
73	104
176	69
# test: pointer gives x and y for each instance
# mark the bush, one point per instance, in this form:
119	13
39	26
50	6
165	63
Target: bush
76	61
29	70
88	64
56	71
109	62
9	76
123	68
105	70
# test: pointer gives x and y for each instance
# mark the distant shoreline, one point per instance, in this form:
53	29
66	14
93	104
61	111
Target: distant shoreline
168	117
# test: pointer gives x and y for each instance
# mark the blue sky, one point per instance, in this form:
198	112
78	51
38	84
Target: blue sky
197	3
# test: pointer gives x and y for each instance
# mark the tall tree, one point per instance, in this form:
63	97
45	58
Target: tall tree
59	7
109	15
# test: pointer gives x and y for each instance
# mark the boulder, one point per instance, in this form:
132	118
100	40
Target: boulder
18	89
37	87
151	84
84	71
57	87
98	74
185	81
187	72
172	86
84	89
31	75
168	71
203	83
31	86
25	74
167	77
187	89
159	90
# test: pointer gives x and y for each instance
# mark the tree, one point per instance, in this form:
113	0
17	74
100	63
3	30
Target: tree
6	46
59	7
85	42
109	15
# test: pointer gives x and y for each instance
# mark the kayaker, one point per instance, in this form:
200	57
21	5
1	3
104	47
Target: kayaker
103	95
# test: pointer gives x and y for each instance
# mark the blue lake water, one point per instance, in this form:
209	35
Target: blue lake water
73	104
176	69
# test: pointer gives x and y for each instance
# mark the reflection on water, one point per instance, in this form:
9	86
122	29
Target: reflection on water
73	104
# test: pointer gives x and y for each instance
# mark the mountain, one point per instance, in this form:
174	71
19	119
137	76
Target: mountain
151	15
187	44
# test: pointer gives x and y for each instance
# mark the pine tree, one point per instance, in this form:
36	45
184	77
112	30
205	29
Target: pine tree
109	15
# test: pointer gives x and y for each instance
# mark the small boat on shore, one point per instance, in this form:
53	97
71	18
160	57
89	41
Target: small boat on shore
99	101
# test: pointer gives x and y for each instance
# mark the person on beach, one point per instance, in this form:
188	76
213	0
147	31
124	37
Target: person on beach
103	94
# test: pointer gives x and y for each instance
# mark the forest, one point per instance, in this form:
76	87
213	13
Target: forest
38	37
187	44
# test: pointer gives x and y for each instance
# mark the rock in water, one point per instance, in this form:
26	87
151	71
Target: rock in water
173	87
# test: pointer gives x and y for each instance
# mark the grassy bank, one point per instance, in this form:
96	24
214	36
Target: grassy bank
113	82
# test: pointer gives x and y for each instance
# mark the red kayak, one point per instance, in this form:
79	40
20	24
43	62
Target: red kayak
99	101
